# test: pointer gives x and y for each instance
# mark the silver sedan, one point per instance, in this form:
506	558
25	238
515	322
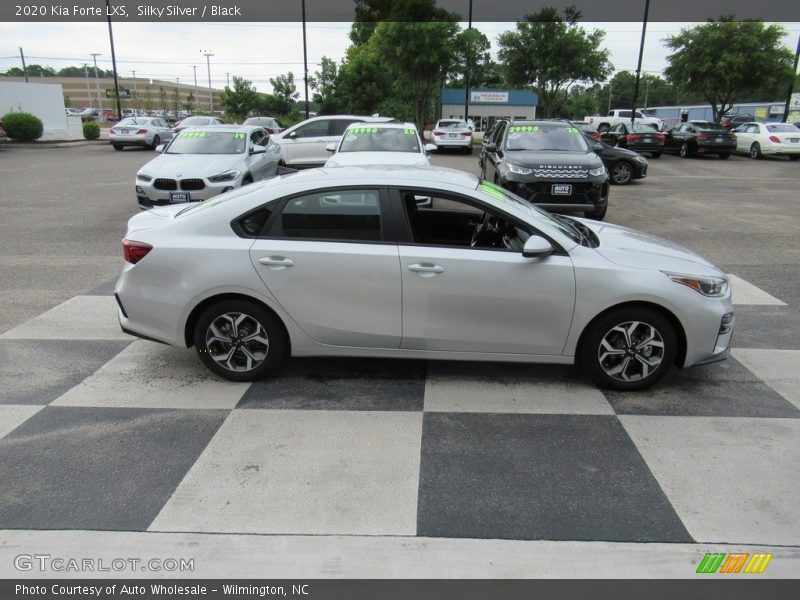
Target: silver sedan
139	131
415	262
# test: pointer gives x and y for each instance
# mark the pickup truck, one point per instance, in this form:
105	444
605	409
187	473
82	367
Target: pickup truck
618	115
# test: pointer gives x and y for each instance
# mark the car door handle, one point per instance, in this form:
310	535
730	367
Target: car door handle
426	268
276	261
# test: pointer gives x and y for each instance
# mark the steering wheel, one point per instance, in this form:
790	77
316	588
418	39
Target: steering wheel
479	229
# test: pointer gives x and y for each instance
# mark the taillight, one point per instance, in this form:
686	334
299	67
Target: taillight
703	136
133	252
775	139
595	135
467	134
113	130
659	136
632	137
438	133
141	132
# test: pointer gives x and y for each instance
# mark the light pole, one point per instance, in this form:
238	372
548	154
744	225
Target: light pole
88	92
466	72
135	90
208	56
195	85
228	79
639	65
305	57
97	85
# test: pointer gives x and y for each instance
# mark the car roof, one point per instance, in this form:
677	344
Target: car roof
225	128
385	125
421	176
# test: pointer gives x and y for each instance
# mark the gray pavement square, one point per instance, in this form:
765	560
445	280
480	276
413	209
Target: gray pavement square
39	371
341	384
725	389
553	477
98	468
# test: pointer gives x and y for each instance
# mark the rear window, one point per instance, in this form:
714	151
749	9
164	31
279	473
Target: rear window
643	128
452	124
782	128
369	138
708	126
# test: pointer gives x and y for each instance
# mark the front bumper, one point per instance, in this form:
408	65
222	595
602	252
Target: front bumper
198	189
585	194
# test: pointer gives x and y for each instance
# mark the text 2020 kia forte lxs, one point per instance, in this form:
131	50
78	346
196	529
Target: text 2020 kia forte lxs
415	262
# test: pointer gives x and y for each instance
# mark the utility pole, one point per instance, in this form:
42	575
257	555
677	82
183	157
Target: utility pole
113	62
791	83
135	90
25	69
97	85
195	85
228	79
88	92
305	57
639	66
208	56
609	95
466	73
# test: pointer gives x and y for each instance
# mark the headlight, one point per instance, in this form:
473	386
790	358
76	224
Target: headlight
519	170
143	177
641	159
714	287
226	176
597	171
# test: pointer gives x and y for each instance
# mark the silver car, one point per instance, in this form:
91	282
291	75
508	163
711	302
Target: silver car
139	131
452	133
205	161
379	144
415	262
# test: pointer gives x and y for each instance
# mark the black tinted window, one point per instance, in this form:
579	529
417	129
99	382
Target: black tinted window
352	215
339	125
253	224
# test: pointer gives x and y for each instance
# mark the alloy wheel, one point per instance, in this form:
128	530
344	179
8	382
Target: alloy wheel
621	173
237	342
631	351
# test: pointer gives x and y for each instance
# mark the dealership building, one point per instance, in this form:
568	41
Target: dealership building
488	105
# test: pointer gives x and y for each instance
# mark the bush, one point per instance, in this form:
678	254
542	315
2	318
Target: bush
23	127
91	130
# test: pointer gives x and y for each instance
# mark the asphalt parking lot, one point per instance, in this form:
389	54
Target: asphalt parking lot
392	469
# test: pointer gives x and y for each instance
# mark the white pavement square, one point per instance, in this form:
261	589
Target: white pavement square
79	318
490	389
731	480
14	415
779	369
745	293
150	375
303	472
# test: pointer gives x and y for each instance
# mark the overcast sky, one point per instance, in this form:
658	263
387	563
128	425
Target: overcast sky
258	51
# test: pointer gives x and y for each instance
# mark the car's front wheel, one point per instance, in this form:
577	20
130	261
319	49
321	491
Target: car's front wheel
656	155
628	349
118	147
156	142
725	155
622	173
239	340
755	151
685	151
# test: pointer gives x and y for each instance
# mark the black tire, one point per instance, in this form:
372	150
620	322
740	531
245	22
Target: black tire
655	155
248	179
725	155
597	214
685	151
156	141
755	151
274	350
632	356
794	157
603	127
621	172
118	147
468	150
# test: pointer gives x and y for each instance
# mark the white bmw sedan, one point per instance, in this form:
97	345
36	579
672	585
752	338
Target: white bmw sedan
416	262
201	162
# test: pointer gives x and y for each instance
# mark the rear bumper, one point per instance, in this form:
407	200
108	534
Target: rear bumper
715	148
781	149
445	142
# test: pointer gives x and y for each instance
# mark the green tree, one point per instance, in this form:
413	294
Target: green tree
71	72
471	47
724	60
148	98
363	81
33	70
176	100
324	85
549	53
581	101
67	101
240	101
283	87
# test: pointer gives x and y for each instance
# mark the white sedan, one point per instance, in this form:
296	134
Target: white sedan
379	144
452	133
202	162
139	131
768	139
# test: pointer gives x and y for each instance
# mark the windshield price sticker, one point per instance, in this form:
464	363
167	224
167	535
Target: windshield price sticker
364	130
523	129
408	131
239	136
493	190
191	134
572	130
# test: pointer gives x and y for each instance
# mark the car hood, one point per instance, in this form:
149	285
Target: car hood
191	165
546	160
631	248
352	159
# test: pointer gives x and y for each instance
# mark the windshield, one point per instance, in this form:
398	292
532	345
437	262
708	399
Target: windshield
499	193
708	126
376	139
195	121
642	128
545	137
132	121
452	125
782	127
208	142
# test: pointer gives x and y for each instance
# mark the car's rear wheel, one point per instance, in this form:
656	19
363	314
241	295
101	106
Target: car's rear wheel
118	147
156	142
755	151
628	349
239	340
603	127
685	151
622	173
468	150
725	155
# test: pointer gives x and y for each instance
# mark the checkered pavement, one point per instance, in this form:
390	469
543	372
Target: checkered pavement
99	431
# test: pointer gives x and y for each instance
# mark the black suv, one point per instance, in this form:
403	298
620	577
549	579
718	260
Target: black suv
549	163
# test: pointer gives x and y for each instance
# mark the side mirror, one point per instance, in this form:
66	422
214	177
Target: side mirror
258	149
537	247
491	147
597	147
331	147
292	135
430	148
161	147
